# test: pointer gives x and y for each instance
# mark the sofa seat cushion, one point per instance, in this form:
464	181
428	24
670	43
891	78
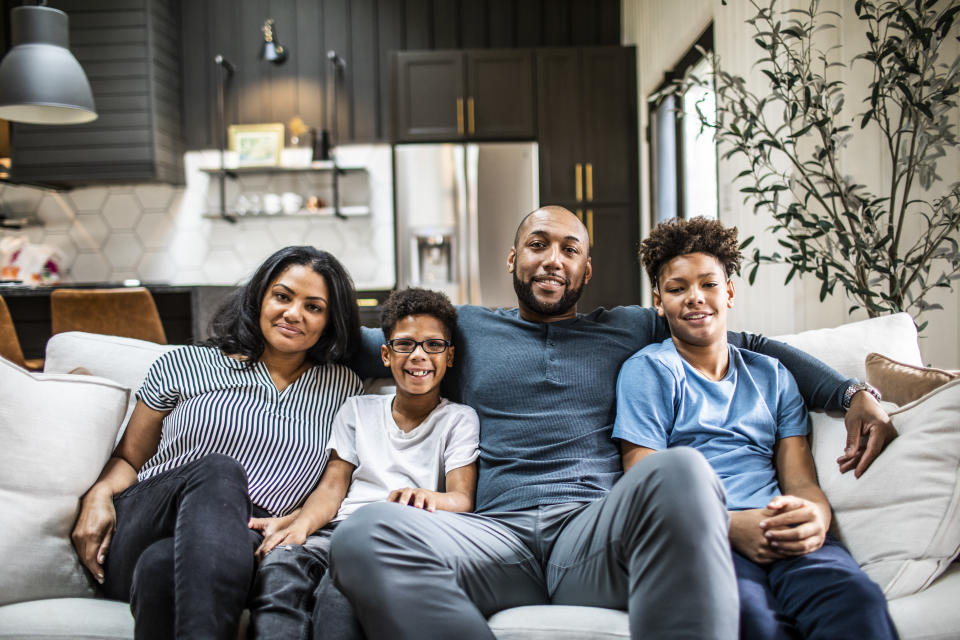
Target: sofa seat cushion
559	622
59	618
57	432
933	613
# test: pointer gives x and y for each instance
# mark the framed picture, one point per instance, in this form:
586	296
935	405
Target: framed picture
257	145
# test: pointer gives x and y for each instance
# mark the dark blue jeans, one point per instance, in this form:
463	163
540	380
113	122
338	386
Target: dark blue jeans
822	594
182	554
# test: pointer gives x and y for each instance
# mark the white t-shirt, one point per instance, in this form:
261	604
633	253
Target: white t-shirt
366	435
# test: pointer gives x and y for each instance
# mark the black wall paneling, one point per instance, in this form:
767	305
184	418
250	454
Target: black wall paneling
129	50
364	33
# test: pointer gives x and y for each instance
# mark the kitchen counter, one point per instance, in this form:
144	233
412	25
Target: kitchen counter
185	310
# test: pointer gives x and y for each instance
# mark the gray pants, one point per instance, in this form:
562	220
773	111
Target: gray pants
655	545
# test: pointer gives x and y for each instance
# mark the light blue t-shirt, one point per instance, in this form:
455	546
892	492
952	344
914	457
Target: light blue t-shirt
735	422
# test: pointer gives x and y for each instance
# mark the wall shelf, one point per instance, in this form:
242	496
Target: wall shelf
323	212
325	184
315	166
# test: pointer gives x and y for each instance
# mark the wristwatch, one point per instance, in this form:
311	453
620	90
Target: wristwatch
853	389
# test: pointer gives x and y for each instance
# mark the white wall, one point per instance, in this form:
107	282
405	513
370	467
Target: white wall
663	30
160	233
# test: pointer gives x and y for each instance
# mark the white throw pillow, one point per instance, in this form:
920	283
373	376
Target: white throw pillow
57	432
845	348
901	518
123	360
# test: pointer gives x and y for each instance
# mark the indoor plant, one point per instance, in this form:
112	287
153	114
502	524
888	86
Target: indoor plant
887	248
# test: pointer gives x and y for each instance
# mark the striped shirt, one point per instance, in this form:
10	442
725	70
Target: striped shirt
218	406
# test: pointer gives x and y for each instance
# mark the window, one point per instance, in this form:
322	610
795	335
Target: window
683	159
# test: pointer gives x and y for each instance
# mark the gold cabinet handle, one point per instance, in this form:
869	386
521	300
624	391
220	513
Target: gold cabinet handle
578	180
460	116
590	183
471	108
590	225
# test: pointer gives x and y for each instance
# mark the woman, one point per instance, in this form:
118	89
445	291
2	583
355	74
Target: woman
242	419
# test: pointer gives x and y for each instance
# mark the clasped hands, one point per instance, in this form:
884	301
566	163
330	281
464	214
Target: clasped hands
788	526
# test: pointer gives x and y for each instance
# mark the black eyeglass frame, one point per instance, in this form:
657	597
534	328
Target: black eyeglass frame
422	344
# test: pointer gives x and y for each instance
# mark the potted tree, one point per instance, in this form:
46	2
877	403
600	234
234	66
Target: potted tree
889	248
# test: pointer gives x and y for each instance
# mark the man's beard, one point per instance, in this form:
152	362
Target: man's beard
566	302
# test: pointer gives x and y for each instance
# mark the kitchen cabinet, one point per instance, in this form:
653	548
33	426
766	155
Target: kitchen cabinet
587	113
464	95
614	241
129	50
587	119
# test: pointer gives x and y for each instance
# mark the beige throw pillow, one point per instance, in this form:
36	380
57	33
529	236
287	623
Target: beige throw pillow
901	518
57	431
902	383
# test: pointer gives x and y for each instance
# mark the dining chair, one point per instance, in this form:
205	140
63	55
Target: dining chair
127	312
10	344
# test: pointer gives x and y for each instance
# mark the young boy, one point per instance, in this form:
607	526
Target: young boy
414	448
744	413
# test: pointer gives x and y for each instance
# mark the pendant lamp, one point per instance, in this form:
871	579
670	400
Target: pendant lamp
40	80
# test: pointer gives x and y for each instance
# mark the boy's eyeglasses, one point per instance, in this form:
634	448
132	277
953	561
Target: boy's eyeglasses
406	345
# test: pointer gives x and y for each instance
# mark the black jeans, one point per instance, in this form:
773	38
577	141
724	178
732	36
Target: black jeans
294	599
182	554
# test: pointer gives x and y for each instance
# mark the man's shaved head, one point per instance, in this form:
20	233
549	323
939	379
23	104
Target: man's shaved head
551	210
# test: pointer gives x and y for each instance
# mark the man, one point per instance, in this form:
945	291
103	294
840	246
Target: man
555	521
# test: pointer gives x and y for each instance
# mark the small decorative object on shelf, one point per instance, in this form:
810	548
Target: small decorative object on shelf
257	145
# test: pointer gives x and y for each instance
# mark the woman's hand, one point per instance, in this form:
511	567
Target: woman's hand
747	536
798	526
94	529
268	526
419	498
293	533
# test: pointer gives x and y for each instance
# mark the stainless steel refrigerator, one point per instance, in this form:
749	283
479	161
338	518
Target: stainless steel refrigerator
458	206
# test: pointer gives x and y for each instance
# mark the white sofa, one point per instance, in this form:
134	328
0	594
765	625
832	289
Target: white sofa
901	520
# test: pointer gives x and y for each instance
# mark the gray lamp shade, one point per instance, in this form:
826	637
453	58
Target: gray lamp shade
40	80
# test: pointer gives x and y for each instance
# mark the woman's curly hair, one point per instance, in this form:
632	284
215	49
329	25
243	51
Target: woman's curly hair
679	237
413	301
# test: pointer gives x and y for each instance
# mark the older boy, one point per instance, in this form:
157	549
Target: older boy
744	413
414	448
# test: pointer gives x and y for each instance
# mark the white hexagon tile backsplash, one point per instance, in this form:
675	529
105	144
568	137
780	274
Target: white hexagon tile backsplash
166	233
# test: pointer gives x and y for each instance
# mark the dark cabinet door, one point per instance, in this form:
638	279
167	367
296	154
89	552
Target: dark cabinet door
609	124
613	254
464	95
500	95
587	123
559	115
429	96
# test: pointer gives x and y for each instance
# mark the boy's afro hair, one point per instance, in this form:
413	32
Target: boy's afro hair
413	301
679	237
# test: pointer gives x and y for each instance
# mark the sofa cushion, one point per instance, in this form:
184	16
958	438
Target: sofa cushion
902	383
845	348
559	622
62	618
57	432
901	518
931	614
123	360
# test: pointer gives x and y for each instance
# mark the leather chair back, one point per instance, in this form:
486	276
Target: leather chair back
127	312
